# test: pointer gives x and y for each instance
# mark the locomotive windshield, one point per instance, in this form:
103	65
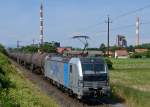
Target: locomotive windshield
90	67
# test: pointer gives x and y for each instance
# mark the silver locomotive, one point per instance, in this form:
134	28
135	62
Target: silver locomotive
80	76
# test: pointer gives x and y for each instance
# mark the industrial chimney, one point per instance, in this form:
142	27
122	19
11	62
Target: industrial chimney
41	23
138	31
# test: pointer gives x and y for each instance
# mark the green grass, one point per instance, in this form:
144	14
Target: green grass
25	93
130	79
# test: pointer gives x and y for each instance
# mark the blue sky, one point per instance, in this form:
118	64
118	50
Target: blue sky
19	20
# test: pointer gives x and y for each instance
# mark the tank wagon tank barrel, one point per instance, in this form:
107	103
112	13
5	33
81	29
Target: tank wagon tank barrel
34	61
28	58
38	59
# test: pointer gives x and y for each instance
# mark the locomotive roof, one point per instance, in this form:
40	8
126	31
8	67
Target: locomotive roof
82	59
92	59
61	59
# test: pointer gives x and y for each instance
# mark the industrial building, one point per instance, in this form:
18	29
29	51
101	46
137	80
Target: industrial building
121	41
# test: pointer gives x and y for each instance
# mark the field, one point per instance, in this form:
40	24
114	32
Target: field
130	80
24	93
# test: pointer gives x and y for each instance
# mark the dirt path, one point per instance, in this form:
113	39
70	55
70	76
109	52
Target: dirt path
63	99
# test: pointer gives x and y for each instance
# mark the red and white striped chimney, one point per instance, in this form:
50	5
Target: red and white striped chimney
138	31
41	23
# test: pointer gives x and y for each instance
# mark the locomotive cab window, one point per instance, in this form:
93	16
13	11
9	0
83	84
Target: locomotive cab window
99	67
96	67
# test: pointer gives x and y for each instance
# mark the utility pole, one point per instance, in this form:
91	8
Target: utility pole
108	24
18	44
33	42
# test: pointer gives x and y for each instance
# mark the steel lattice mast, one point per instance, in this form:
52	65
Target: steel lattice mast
41	23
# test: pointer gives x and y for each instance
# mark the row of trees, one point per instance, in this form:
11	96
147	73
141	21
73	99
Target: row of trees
47	47
140	55
130	48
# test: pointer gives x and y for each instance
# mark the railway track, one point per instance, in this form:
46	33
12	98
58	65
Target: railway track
62	98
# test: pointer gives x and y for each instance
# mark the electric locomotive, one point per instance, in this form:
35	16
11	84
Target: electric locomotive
81	76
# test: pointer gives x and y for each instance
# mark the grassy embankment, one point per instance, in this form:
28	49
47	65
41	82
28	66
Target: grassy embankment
130	79
23	93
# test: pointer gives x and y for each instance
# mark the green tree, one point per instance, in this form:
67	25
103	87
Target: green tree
102	48
109	63
113	48
148	54
130	48
49	48
145	46
2	49
30	49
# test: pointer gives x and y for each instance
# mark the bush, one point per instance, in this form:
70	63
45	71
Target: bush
2	49
109	63
136	55
140	55
5	82
24	93
148	54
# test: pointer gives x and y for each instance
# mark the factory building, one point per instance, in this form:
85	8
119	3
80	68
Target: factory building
121	41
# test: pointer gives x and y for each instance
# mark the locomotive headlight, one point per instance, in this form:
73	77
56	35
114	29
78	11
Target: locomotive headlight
92	60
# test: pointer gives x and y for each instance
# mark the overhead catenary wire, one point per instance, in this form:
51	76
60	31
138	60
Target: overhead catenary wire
122	27
132	12
128	26
144	23
119	16
91	26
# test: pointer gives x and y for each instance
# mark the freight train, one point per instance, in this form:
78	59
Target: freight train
79	76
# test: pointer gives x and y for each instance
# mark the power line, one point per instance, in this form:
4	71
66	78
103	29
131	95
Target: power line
18	44
128	26
132	12
120	27
91	26
144	23
120	16
124	27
